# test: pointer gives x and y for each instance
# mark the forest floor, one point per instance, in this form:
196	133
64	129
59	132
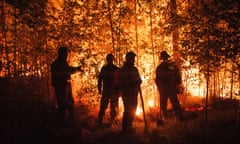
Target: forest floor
26	118
35	123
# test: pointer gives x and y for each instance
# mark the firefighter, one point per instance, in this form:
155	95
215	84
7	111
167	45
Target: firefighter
129	82
60	72
108	88
168	81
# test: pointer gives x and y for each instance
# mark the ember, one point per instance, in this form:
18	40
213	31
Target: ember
192	109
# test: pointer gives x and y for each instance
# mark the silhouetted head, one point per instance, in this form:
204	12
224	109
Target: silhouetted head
110	58
164	55
62	52
130	57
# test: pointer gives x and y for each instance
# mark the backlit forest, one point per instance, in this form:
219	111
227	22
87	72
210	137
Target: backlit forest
202	36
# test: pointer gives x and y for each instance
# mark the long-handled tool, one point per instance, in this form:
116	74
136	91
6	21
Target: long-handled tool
144	114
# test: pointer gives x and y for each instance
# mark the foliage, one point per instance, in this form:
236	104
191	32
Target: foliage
211	33
208	34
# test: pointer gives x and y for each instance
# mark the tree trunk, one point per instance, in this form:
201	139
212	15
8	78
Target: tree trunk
232	81
136	27
15	45
207	91
175	33
7	61
111	23
2	31
151	33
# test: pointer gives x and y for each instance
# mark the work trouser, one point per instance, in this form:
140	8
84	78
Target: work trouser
109	95
130	106
170	94
65	100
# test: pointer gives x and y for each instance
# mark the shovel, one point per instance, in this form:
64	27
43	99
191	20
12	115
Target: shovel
144	114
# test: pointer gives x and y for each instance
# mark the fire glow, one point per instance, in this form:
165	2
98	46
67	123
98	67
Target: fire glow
194	84
194	81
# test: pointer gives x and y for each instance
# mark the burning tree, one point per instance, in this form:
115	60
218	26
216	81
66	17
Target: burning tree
201	35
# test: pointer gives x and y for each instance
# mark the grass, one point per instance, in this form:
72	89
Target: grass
34	121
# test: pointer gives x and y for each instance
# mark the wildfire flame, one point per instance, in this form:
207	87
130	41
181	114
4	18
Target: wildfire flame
139	110
194	85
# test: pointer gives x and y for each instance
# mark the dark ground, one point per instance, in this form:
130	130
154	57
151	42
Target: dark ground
37	124
34	122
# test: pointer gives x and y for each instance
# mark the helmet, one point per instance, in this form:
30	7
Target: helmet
164	54
109	57
62	51
130	55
